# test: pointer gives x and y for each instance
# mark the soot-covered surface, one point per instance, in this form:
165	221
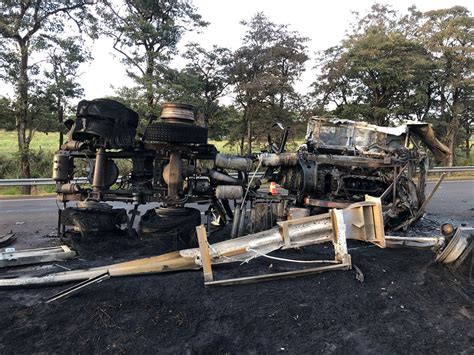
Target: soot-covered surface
406	304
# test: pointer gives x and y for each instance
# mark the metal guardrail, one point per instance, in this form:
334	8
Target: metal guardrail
450	169
82	180
35	182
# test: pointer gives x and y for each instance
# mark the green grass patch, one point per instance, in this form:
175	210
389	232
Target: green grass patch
36	190
47	142
225	147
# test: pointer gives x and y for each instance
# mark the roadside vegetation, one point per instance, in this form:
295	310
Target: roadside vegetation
45	144
388	67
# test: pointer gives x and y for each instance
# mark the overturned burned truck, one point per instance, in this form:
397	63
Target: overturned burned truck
341	161
173	165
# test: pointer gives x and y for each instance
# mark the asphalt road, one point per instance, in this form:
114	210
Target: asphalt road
454	202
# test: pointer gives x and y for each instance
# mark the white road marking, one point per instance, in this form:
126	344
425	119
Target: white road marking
445	181
26	210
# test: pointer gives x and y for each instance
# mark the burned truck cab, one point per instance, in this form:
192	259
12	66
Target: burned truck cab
341	161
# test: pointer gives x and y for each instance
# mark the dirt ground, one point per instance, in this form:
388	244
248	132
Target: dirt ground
406	304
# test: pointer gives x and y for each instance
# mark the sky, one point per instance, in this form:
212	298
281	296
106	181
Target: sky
323	22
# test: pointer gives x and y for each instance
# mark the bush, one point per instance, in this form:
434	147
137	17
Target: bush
8	167
40	164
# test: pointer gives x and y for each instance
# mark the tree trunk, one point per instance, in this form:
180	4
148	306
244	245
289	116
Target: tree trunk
22	118
450	143
60	122
249	135
468	141
208	113
242	135
150	70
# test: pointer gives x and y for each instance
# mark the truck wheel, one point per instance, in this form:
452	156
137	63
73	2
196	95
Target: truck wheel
175	225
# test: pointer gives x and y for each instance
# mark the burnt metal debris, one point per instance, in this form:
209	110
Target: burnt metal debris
348	180
172	163
35	256
361	221
7	239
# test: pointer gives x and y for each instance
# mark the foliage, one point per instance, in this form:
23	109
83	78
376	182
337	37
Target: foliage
7	114
264	70
40	162
449	37
27	28
64	57
204	81
377	73
391	67
146	33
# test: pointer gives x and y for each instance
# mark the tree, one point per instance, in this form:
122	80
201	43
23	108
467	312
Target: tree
378	73
64	57
392	67
202	82
229	117
7	114
42	118
25	28
264	71
448	35
146	33
211	70
134	98
467	122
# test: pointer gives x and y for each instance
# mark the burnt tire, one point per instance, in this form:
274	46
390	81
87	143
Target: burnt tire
175	226
176	133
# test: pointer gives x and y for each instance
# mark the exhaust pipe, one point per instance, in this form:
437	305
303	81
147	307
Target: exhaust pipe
234	163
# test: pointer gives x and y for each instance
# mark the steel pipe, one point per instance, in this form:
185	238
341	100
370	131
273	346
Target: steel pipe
99	170
232	162
276	160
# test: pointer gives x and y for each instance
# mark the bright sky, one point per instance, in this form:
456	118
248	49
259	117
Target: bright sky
324	22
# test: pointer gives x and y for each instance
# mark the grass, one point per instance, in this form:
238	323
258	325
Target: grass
36	190
41	141
45	144
49	142
224	147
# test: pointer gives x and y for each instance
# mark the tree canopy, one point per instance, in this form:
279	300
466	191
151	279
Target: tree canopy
28	28
263	74
389	66
146	34
393	66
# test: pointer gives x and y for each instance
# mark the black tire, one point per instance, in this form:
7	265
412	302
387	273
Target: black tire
177	225
176	133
